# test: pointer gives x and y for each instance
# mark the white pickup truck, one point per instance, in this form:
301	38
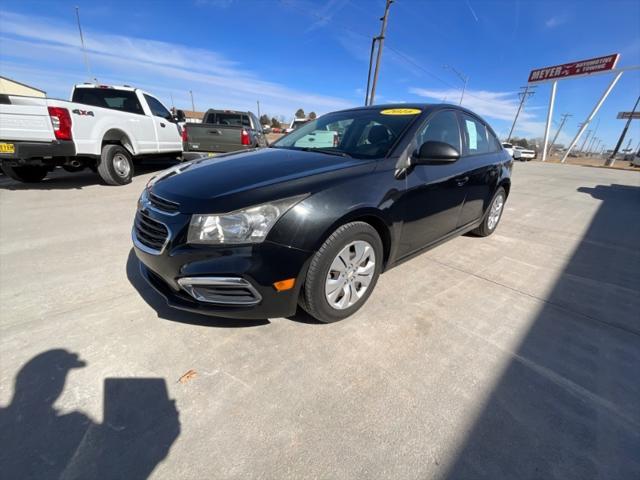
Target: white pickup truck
102	127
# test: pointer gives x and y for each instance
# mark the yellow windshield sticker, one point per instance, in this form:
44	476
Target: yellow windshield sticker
400	111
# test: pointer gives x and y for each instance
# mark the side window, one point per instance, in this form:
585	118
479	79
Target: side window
476	136
494	143
157	109
443	127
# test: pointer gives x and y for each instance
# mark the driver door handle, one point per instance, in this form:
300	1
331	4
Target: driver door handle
162	124
460	181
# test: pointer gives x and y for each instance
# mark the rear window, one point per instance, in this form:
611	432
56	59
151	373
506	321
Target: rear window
229	119
125	101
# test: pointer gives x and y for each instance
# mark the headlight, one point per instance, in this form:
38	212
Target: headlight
250	225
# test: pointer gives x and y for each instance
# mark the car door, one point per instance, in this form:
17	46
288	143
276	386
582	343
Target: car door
480	160
169	139
434	193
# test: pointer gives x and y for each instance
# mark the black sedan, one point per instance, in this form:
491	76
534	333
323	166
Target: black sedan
314	219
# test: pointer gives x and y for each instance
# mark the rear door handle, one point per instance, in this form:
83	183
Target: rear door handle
162	124
460	181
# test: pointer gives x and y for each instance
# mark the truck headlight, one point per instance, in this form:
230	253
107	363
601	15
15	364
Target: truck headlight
249	225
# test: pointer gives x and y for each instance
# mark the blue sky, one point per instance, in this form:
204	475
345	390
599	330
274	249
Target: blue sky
314	55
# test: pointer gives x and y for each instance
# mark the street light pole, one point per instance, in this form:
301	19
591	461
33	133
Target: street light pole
193	106
84	50
379	55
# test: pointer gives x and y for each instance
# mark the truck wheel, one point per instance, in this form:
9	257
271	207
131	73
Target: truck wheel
116	166
26	174
343	273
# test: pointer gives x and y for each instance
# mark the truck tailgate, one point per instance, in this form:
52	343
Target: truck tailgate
27	121
203	137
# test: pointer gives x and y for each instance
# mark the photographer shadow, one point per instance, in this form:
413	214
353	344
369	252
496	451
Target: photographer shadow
39	441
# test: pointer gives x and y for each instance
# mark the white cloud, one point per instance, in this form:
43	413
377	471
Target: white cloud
555	21
493	105
54	48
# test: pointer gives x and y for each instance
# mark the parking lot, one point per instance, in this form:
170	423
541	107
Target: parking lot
511	356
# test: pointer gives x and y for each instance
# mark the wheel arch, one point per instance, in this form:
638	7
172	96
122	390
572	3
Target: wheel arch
373	217
116	136
506	184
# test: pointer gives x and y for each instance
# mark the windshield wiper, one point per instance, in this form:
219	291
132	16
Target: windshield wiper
322	150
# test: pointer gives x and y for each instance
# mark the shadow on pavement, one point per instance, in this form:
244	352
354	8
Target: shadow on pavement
60	179
158	303
140	423
567	406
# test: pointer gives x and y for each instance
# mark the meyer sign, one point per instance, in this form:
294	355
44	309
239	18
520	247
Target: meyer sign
583	67
627	115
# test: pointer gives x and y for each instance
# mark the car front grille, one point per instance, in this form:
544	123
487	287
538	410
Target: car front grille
163	204
151	233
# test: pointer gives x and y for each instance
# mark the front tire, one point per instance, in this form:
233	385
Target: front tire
493	215
343	273
26	174
116	165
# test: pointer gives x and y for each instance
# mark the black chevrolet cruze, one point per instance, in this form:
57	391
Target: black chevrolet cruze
314	219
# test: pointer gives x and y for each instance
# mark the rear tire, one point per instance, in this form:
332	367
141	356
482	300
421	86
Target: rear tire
116	165
356	282
26	174
493	214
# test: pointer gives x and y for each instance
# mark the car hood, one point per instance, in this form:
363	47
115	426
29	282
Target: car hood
238	180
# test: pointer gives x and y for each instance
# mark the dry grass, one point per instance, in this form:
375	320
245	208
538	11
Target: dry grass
595	161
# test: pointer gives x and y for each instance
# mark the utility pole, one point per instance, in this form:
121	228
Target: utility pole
258	102
84	50
595	150
528	92
193	105
379	55
594	138
464	78
366	95
585	141
611	159
562	122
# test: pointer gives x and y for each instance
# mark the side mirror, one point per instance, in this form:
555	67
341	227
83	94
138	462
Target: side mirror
435	152
180	115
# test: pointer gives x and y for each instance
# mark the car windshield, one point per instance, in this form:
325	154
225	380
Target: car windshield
366	133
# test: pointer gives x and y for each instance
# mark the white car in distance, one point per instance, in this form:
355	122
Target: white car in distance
525	153
515	154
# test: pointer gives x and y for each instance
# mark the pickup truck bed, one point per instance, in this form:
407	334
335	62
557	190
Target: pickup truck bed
102	127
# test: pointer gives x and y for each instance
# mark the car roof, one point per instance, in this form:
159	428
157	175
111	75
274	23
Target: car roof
425	108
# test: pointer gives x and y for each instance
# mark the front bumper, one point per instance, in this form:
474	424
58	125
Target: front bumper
25	151
261	265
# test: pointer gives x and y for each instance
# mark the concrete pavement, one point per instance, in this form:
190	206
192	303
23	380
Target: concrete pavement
512	356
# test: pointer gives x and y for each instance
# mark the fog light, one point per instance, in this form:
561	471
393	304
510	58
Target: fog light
283	285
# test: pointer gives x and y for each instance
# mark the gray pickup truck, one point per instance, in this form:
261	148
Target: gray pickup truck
223	131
